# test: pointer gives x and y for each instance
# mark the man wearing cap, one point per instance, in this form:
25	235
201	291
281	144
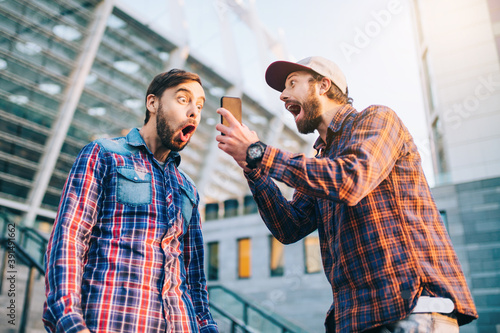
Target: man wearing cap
385	250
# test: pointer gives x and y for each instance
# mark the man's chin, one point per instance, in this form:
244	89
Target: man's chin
307	126
303	129
176	146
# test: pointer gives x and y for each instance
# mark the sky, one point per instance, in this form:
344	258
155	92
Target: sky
372	41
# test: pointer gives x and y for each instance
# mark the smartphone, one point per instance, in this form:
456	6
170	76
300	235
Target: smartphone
233	105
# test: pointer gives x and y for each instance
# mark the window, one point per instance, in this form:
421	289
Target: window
439	148
277	259
444	217
213	261
244	258
312	253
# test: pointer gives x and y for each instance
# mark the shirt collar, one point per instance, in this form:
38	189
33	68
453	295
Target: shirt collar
335	125
135	139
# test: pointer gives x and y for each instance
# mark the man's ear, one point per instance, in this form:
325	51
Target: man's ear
324	85
152	103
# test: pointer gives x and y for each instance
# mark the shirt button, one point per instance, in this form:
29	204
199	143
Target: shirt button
135	178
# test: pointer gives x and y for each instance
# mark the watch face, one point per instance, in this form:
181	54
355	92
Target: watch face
255	151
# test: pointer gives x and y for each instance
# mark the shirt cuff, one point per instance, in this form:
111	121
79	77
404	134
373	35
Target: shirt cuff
209	329
267	159
207	323
71	323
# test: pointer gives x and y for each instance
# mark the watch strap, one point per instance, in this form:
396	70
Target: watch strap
252	162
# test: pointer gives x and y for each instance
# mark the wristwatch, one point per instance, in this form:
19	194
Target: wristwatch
255	152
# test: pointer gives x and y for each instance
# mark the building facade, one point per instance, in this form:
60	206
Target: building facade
73	71
459	48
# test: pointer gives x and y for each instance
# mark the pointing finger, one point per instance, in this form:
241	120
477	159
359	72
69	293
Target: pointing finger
231	120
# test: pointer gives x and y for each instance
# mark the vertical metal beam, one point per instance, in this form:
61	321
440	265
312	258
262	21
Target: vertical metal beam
4	262
178	56
27	299
209	163
250	17
258	31
265	45
67	110
274	131
211	157
229	45
265	42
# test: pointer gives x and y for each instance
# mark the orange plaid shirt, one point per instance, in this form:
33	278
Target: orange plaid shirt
382	238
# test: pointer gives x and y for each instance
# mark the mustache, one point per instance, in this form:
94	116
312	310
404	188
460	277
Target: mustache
186	123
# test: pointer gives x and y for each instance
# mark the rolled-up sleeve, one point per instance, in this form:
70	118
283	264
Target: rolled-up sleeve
368	157
68	244
196	281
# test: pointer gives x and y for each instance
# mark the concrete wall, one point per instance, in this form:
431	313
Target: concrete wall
301	298
473	214
459	43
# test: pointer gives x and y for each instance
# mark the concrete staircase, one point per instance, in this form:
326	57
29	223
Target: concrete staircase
14	293
233	312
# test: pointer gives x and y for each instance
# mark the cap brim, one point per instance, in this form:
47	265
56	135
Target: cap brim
278	71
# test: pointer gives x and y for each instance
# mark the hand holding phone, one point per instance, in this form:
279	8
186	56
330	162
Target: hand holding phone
233	105
238	137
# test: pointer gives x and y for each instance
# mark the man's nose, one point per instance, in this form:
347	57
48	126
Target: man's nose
193	111
284	95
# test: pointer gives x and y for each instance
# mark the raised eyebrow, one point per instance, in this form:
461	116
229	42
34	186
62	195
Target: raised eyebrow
189	92
291	76
184	90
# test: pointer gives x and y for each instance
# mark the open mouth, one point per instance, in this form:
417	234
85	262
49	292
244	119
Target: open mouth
187	131
293	108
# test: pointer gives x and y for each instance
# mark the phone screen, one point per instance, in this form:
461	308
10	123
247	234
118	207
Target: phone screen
233	105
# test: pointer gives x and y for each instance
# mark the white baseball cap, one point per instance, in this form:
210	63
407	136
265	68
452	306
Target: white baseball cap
278	71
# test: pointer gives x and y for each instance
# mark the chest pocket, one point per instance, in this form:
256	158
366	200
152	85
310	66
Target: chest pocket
188	203
133	188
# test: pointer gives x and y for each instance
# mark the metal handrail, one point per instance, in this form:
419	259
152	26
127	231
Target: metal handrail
21	256
235	322
30	233
285	327
14	249
10	245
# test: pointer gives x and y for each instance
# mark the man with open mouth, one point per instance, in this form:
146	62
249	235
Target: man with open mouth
126	250
384	247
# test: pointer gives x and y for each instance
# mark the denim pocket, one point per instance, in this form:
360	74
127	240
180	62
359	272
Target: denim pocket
188	203
133	188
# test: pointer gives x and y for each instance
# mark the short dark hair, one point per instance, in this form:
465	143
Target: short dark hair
334	92
163	81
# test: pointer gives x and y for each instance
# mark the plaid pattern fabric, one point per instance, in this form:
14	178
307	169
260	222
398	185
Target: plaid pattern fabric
121	257
382	238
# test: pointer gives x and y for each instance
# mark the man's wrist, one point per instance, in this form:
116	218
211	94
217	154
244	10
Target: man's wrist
255	153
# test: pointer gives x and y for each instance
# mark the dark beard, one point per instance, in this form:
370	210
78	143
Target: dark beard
311	118
166	132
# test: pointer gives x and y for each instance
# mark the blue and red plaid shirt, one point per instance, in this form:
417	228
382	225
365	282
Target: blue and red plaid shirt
126	250
382	238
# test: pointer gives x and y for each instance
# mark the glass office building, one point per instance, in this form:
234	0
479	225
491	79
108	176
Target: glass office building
75	71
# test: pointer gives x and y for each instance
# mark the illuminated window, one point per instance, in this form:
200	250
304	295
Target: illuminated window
244	258
277	259
312	253
213	261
